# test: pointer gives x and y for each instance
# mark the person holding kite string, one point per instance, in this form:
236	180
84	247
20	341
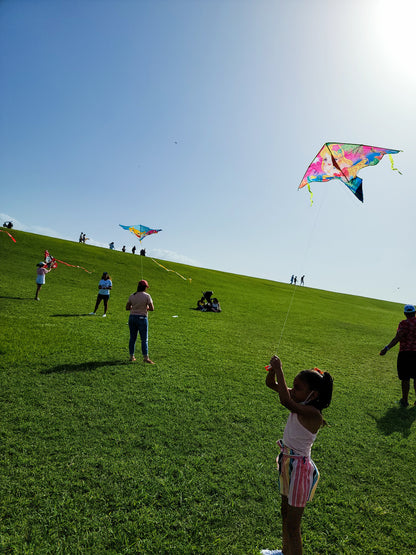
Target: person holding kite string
139	303
406	359
104	286
41	272
298	475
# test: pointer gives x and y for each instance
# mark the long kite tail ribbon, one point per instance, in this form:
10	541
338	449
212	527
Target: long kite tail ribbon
392	165
11	236
168	270
74	266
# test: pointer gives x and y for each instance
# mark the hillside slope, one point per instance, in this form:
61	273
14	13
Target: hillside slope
101	455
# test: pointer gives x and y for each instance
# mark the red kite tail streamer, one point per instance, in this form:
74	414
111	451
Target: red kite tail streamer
11	236
52	262
74	266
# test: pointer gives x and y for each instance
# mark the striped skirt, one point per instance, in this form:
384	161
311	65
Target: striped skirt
298	476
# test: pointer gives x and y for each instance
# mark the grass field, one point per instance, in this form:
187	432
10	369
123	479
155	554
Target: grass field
100	455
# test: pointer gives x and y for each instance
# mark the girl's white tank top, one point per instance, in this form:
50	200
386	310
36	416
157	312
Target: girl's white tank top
297	437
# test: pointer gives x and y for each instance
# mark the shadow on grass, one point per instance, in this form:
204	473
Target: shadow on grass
83	367
396	419
17	298
68	315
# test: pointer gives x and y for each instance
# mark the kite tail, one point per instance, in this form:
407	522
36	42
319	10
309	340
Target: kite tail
73	266
11	236
168	270
310	192
392	165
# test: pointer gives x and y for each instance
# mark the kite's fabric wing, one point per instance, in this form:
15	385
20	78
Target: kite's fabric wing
141	231
343	161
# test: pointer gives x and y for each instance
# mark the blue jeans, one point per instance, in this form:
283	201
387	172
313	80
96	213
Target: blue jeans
138	324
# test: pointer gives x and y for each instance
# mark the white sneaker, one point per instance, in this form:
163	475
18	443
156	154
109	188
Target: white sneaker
104	315
91	313
271	552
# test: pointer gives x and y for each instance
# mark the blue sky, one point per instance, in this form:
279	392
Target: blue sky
200	117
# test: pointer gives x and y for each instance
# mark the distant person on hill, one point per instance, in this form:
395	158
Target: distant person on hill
41	272
111	245
104	286
298	475
295	280
292	279
139	303
124	248
302	280
406	359
81	238
133	250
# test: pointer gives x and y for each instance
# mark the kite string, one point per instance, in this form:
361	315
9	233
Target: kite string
141	261
287	316
308	244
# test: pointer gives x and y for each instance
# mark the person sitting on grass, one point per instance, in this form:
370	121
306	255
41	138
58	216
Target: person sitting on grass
298	475
406	359
215	306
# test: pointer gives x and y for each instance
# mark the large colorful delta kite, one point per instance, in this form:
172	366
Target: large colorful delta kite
343	161
140	231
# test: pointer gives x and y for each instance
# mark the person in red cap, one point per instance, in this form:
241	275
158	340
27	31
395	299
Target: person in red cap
139	304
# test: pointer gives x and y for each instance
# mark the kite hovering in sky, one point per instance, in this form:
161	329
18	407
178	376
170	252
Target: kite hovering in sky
343	161
141	231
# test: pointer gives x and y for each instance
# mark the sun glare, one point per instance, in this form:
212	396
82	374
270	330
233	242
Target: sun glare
394	25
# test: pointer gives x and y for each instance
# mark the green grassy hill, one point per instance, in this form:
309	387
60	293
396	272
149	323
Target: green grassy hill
100	455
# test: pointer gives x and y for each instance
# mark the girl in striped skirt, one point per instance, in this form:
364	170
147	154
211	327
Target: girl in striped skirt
298	475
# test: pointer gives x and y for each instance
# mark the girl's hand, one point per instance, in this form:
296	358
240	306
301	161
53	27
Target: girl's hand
275	363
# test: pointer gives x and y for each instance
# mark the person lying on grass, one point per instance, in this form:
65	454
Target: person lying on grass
298	475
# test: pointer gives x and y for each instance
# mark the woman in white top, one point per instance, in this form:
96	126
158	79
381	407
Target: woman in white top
139	303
